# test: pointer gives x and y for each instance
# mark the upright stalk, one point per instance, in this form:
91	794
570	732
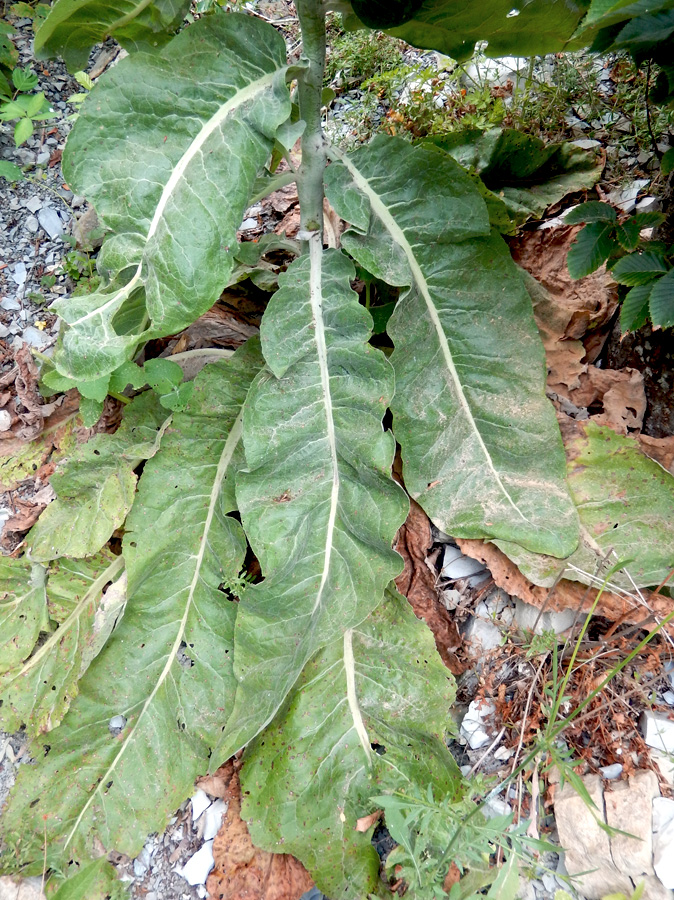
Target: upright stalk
310	88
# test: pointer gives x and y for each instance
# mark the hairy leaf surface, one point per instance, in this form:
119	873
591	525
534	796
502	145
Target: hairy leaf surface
73	27
311	775
37	691
167	148
481	447
626	505
317	501
95	486
529	28
166	669
23	609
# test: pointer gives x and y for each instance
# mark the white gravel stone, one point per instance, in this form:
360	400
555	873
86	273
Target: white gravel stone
197	868
10	303
32	224
663	840
19	275
213	819
5	420
33	204
200	802
50	221
610	773
462	567
474	726
658	731
528	618
35	337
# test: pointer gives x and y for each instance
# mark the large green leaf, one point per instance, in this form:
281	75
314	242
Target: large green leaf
73	27
603	13
311	775
527	174
167	667
95	486
23	609
529	28
36	692
626	506
317	501
481	446
144	151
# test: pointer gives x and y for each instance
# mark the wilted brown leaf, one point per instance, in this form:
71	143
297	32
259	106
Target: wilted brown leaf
366	822
659	449
566	594
241	870
417	583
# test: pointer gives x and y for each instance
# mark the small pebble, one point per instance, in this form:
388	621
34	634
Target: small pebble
610	773
5	420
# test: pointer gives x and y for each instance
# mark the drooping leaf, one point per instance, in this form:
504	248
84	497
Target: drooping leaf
638	268
23	609
481	447
643	33
526	173
73	27
317	501
173	224
385	13
603	13
590	250
626	505
95	486
166	669
634	308
309	778
530	28
661	306
37	692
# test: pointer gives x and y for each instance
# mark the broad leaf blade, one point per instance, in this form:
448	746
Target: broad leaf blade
311	775
173	223
37	693
527	174
592	211
23	609
73	27
95	487
626	506
453	27
590	250
638	268
318	502
481	446
634	308
661	304
167	667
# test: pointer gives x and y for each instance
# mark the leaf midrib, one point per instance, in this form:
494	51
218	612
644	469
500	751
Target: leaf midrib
400	238
242	96
225	459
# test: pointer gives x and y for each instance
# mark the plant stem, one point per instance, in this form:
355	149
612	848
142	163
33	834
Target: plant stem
309	88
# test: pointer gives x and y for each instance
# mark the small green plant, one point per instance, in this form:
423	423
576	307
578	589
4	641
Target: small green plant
24	106
644	266
78	99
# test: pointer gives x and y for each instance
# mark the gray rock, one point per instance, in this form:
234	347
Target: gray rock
32	224
10	303
610	773
648	204
50	221
530	618
87	230
25	157
35	337
663	840
33	204
43	158
475	726
658	731
19	274
628	807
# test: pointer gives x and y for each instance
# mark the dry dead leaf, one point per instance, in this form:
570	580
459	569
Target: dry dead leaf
620	392
366	822
213	785
290	223
417	583
452	877
659	449
566	594
241	870
219	327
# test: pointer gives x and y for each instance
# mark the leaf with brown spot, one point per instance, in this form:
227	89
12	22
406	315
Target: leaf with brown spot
241	870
